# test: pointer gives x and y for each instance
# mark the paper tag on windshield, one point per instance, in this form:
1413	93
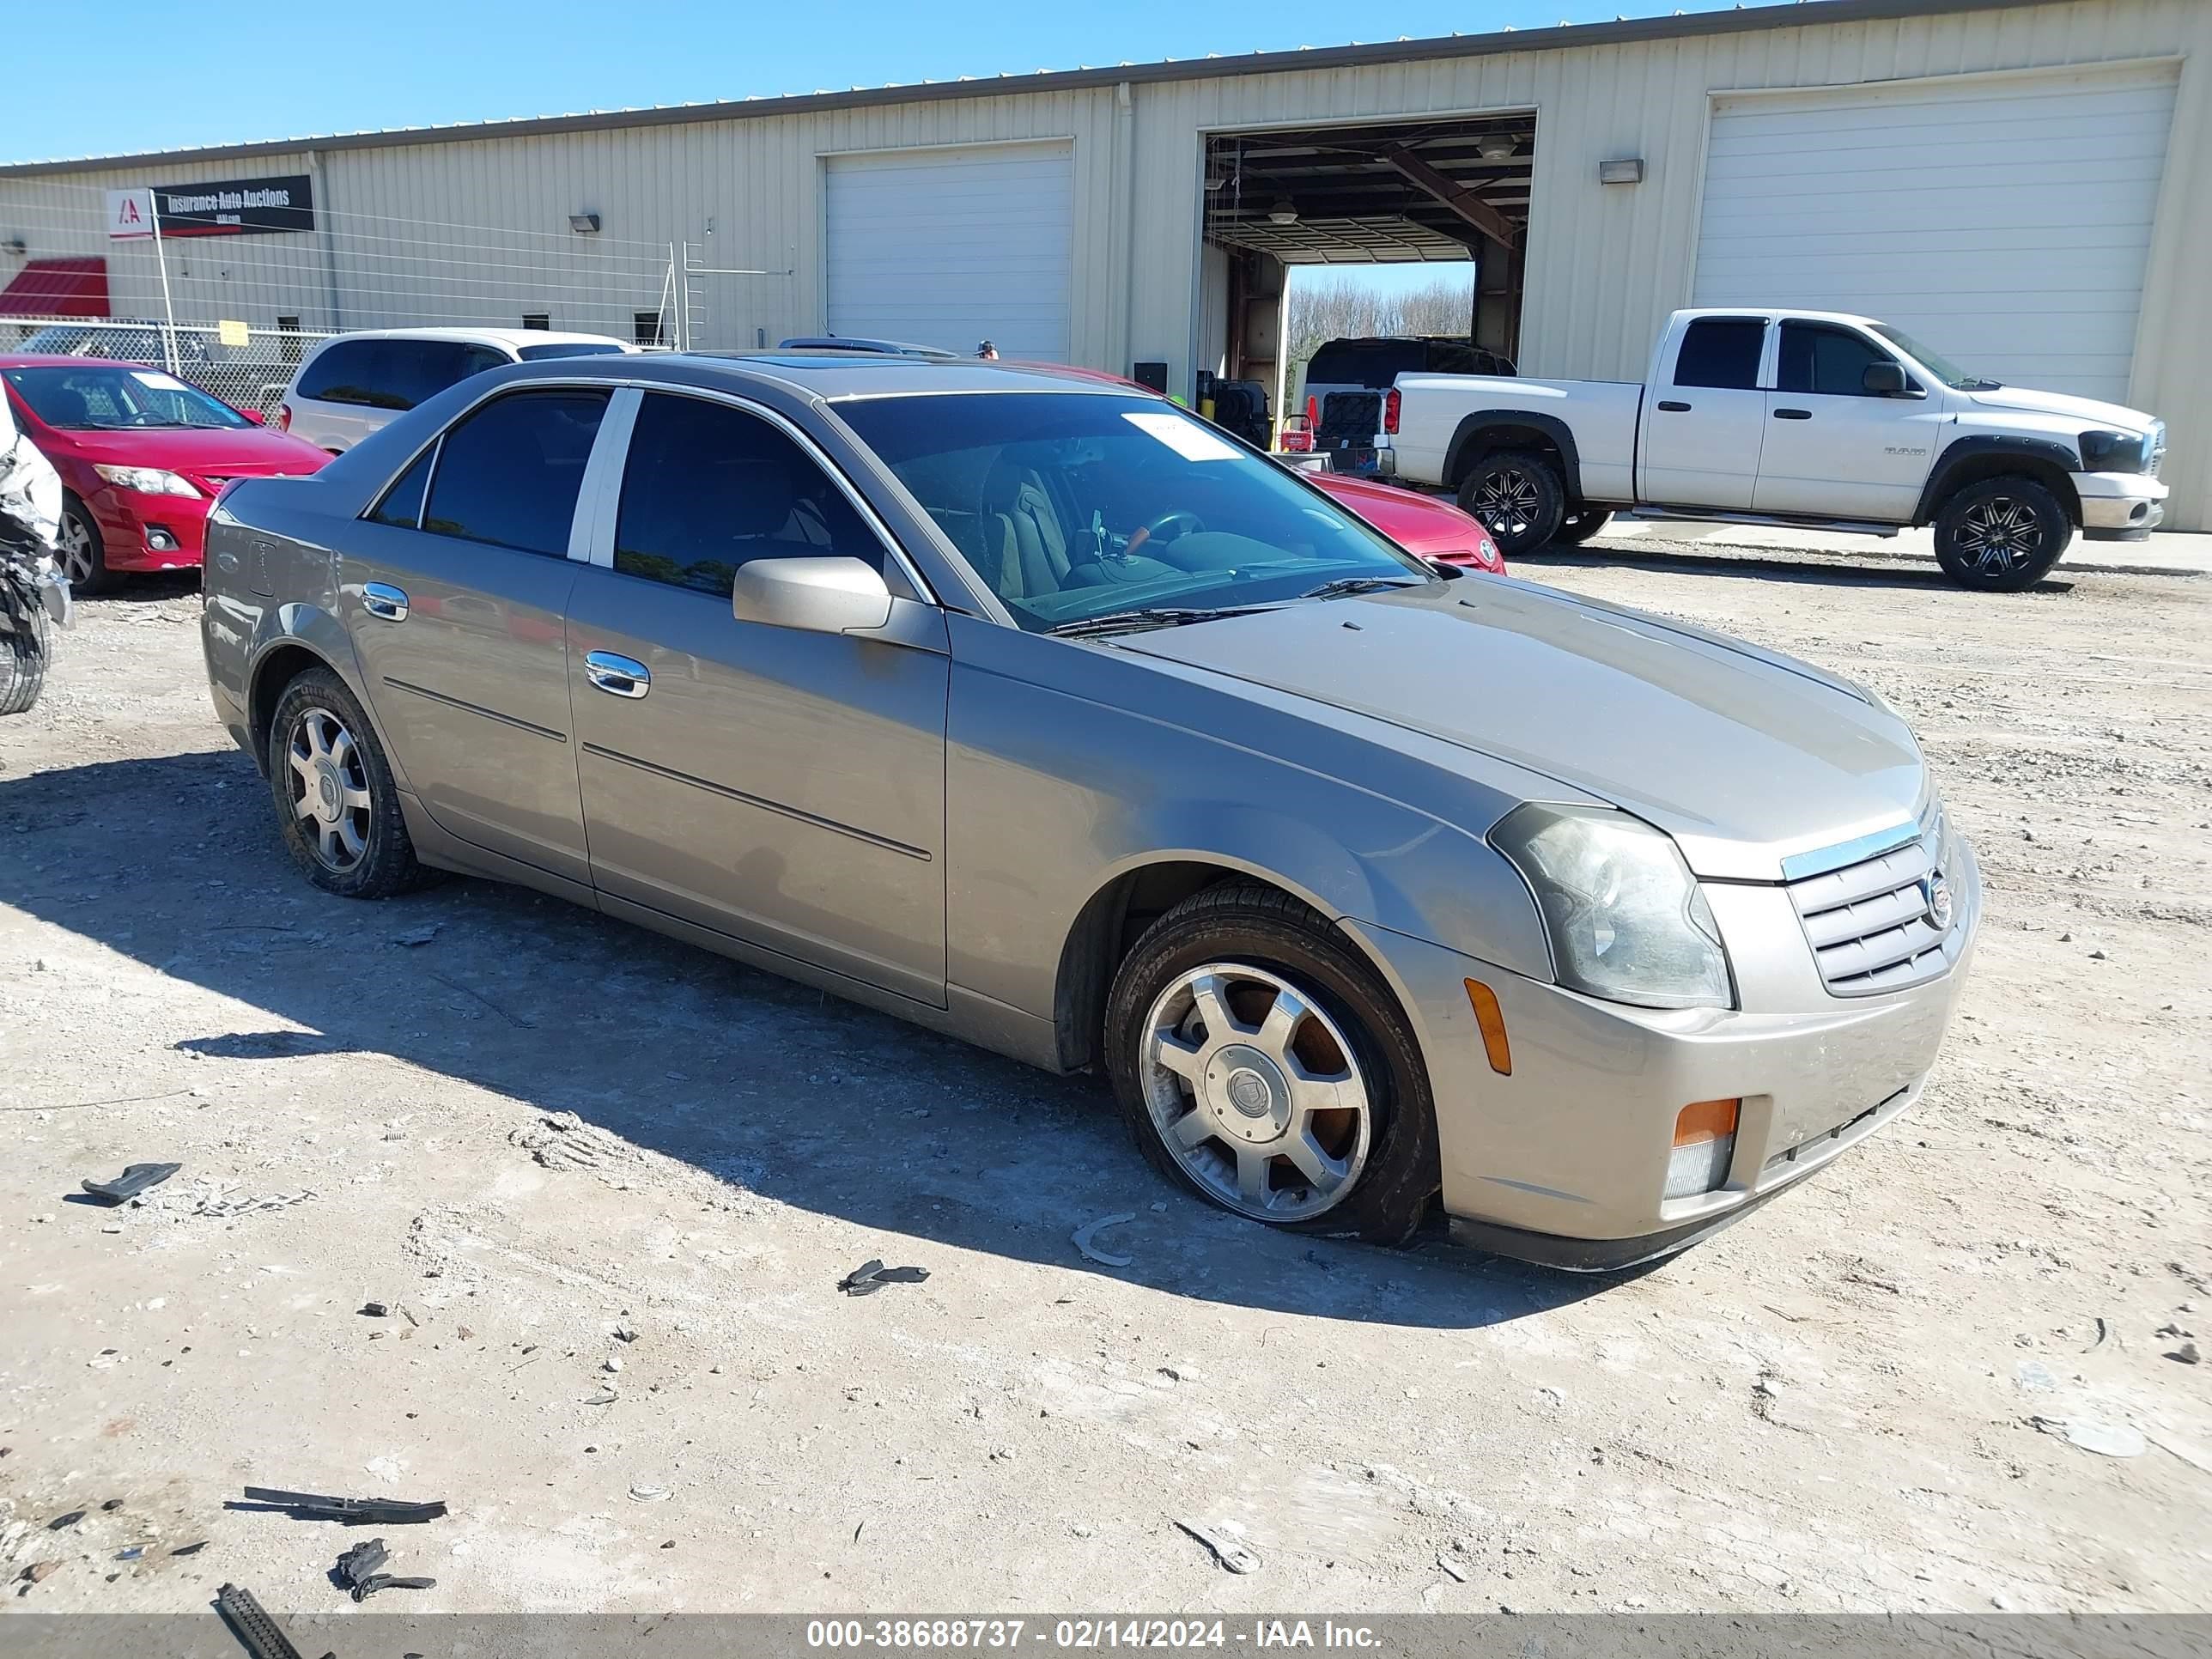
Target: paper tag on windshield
158	381
1183	435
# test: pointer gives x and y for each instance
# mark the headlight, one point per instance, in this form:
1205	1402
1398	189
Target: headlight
1626	919
146	480
2116	451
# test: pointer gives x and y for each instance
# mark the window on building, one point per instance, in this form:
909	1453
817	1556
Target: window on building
645	328
1721	351
537	320
708	488
1827	361
509	474
288	338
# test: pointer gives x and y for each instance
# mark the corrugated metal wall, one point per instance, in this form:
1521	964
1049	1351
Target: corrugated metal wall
1604	264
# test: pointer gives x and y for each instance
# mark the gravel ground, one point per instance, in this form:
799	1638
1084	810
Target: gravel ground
605	1186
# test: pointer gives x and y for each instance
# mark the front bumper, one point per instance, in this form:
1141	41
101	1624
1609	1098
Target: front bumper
2119	506
138	532
1564	1161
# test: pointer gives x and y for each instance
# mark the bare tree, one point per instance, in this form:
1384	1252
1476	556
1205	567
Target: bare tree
1340	306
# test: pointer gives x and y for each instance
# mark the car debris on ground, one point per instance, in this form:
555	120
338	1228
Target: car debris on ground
354	1511
865	1279
1082	1236
134	1180
357	1573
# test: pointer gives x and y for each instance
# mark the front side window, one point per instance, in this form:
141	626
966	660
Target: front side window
1071	506
100	398
708	488
1826	361
510	472
1721	351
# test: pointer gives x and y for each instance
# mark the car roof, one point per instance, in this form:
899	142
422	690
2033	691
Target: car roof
516	337
834	342
1781	311
845	375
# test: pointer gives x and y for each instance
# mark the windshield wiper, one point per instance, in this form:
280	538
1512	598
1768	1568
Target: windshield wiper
1149	616
1347	585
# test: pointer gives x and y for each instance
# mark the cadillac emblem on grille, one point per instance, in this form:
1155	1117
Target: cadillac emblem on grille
1935	888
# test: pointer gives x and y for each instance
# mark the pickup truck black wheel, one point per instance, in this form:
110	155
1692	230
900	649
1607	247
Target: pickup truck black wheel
1263	1064
1518	495
1580	524
338	805
2001	535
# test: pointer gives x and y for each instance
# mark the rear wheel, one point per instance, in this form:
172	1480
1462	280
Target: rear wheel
1579	526
1263	1064
1518	495
338	805
2001	535
82	552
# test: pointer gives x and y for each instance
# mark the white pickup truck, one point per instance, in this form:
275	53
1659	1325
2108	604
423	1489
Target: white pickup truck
1809	418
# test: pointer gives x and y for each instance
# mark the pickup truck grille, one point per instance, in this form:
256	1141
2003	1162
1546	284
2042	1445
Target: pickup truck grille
1871	924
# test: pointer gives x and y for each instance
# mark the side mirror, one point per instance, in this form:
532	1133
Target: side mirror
829	595
1888	380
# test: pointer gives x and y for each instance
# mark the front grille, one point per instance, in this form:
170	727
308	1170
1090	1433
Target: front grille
2156	457
1869	922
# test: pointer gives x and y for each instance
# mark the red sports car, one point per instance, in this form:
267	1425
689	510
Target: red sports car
142	457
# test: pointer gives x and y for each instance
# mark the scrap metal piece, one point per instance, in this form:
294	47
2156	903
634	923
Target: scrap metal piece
250	1622
134	1180
354	1511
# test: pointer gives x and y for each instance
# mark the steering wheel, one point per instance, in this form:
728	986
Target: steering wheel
1162	529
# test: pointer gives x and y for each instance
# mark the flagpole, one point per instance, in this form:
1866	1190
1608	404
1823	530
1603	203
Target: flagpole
161	264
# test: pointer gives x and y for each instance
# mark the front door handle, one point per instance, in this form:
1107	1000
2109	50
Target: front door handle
1674	408
382	600
625	676
1793	414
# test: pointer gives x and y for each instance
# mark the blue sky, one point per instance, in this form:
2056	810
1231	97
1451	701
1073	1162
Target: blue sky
216	71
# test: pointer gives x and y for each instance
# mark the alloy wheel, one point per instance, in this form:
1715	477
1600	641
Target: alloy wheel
1255	1092
329	789
1507	500
77	558
2000	534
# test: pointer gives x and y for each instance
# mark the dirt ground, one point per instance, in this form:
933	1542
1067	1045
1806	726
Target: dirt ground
1852	1400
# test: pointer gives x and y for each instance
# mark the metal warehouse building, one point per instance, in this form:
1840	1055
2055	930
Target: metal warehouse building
2028	187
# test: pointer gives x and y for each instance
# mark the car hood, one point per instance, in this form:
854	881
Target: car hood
2060	403
224	452
1419	524
1744	757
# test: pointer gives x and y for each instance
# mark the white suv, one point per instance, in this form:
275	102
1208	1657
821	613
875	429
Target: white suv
352	384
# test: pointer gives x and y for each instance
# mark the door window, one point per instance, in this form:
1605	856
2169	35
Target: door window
510	472
1721	351
708	488
1827	361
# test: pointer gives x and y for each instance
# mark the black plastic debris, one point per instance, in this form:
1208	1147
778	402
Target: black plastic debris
250	1622
871	1276
189	1549
132	1181
68	1520
356	1572
354	1511
374	1309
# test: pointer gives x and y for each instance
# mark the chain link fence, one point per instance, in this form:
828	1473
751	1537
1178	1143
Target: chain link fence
248	368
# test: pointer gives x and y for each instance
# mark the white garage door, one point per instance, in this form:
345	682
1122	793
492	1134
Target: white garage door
949	248
2004	221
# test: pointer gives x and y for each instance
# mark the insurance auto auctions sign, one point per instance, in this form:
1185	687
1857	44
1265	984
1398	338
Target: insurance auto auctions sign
236	207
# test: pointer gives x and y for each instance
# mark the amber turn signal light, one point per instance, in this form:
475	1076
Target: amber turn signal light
1487	1015
1706	1120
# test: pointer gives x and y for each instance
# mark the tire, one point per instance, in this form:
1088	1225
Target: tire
1580	524
27	637
82	554
363	852
1371	1139
1519	497
2001	535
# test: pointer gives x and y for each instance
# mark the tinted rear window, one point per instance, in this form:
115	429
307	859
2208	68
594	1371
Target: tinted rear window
1721	351
392	374
1365	363
509	474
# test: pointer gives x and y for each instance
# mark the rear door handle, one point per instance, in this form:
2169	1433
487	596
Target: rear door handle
382	600
624	677
1793	414
1674	408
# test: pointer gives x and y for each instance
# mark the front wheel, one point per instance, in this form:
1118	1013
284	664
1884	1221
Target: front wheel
1263	1064
26	638
2001	535
82	554
1579	526
338	805
1519	497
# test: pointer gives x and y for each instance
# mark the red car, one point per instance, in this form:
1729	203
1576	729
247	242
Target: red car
142	457
1421	524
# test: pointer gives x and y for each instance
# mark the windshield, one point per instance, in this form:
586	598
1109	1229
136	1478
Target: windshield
530	354
1070	507
103	397
1934	362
